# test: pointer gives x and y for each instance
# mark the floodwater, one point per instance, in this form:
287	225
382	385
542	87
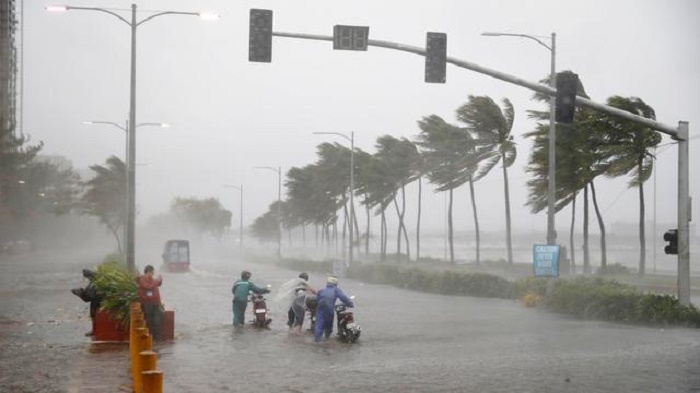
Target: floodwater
411	342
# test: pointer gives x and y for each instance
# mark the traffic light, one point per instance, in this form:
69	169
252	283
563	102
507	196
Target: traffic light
671	236
260	36
350	37
567	84
435	56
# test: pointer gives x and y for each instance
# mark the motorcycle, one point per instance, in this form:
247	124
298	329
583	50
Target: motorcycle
311	308
260	310
348	330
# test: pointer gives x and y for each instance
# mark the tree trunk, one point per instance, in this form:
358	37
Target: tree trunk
572	245
383	237
367	232
115	232
420	193
601	226
586	254
335	238
346	222
509	237
356	232
398	234
449	230
402	223
476	221
642	237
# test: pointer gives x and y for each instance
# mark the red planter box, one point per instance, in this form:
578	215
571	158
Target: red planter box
106	329
167	327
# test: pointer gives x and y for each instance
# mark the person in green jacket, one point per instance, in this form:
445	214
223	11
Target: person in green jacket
240	291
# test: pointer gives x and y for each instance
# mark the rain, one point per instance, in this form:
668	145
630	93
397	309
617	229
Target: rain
400	147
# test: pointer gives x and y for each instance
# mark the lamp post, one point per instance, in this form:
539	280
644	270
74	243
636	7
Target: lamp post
279	206
551	188
241	213
125	128
131	177
350	139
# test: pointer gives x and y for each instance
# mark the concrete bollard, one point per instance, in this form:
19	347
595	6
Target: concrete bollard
144	339
143	343
148	360
136	322
153	381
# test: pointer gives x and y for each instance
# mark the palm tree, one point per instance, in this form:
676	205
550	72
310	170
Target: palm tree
579	162
399	157
629	152
106	196
450	157
376	184
492	127
421	169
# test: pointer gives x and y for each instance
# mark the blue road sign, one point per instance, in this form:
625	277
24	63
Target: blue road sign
546	260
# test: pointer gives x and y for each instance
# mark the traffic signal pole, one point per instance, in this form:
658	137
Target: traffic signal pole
679	134
683	215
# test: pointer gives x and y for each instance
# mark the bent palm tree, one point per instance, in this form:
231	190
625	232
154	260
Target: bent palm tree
492	127
450	157
629	152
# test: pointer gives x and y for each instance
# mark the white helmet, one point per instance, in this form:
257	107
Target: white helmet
332	280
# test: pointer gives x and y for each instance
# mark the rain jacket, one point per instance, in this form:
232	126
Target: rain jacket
241	288
325	310
148	289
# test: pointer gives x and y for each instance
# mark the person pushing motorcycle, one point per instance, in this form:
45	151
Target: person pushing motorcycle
325	309
297	308
240	291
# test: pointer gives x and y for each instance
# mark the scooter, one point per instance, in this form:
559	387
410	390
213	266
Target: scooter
311	308
348	330
260	319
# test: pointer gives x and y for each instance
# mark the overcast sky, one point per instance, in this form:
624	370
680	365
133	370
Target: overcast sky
229	115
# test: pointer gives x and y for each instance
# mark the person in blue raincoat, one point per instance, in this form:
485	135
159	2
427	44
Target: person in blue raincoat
240	290
325	310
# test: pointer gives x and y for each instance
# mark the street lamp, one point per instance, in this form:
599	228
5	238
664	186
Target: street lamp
125	128
131	156
241	212
350	139
279	206
551	189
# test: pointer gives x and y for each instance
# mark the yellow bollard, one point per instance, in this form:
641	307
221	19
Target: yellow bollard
144	339
142	344
153	381
136	323
148	360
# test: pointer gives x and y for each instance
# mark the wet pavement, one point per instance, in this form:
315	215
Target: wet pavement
42	327
411	342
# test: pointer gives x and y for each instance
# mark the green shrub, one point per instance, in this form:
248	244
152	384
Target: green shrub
596	298
584	297
442	282
665	309
613	269
118	289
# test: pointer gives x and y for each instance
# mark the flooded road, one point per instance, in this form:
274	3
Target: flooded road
411	342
